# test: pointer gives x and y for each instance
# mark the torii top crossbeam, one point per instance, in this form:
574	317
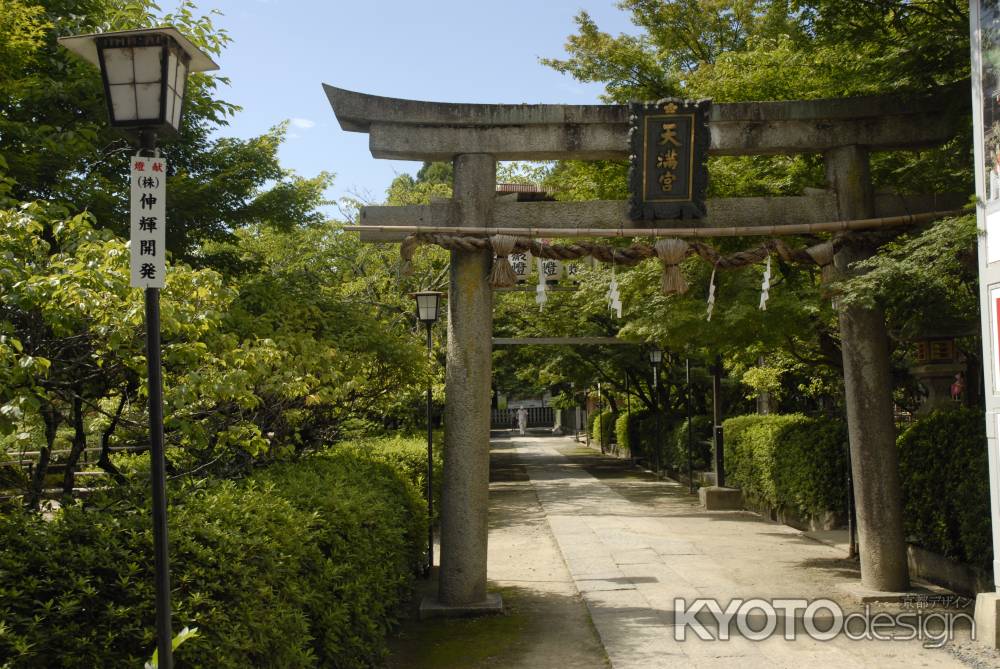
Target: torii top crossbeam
416	130
599	132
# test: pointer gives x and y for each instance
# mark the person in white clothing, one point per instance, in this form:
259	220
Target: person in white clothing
522	419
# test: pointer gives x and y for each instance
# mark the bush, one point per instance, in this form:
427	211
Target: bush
302	565
408	456
788	462
944	469
603	428
701	446
624	426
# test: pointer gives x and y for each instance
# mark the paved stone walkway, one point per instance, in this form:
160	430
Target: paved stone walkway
633	544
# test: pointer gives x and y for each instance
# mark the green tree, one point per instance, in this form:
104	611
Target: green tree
55	144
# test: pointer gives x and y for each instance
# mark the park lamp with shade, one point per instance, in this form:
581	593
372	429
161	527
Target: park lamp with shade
144	72
655	358
145	75
428	305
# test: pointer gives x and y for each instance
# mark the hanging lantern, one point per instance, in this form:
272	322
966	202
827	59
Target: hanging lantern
521	264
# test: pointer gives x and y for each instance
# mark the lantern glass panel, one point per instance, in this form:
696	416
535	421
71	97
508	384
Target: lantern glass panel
175	114
148	97
119	67
172	71
148	64
176	93
123	102
427	307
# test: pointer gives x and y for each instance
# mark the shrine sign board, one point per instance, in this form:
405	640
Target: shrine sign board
668	148
148	216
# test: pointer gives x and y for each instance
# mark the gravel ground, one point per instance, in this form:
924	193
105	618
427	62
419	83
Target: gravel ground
975	655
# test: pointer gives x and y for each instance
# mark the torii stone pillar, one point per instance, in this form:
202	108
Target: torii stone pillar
465	495
868	390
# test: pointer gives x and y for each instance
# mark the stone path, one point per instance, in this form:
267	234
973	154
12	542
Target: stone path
545	623
633	544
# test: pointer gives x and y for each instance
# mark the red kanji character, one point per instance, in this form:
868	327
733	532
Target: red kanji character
157	167
140	166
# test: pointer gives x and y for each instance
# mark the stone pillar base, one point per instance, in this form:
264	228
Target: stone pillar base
714	498
431	607
988	619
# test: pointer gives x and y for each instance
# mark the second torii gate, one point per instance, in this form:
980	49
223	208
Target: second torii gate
474	137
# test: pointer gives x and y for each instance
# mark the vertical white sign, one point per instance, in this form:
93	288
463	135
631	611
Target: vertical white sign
149	195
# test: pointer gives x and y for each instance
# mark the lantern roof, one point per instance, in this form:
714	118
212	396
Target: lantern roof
85	46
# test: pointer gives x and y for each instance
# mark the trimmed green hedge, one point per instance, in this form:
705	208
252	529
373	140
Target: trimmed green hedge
701	444
788	461
303	565
603	428
625	426
636	434
944	470
796	462
408	456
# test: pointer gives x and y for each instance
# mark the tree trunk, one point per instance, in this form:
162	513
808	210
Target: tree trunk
51	419
104	461
79	444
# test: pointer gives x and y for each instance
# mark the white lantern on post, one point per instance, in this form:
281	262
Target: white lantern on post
144	72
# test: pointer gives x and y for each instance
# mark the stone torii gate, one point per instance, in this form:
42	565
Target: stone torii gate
475	136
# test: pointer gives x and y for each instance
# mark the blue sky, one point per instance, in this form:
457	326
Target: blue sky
447	50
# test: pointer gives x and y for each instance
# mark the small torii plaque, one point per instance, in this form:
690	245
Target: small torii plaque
668	147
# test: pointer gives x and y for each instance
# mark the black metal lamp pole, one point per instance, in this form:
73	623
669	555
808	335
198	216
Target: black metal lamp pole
720	462
428	305
161	551
655	358
656	410
687	371
430	461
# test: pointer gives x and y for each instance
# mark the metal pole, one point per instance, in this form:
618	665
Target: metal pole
430	465
720	468
628	414
687	371
600	417
161	550
656	410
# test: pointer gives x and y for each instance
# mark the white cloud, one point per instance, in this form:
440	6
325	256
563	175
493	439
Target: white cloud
303	123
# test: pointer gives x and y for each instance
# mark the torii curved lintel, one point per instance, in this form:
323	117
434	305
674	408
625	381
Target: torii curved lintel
421	130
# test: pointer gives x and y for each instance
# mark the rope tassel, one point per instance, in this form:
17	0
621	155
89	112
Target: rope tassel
502	274
406	251
765	286
671	252
614	296
711	296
